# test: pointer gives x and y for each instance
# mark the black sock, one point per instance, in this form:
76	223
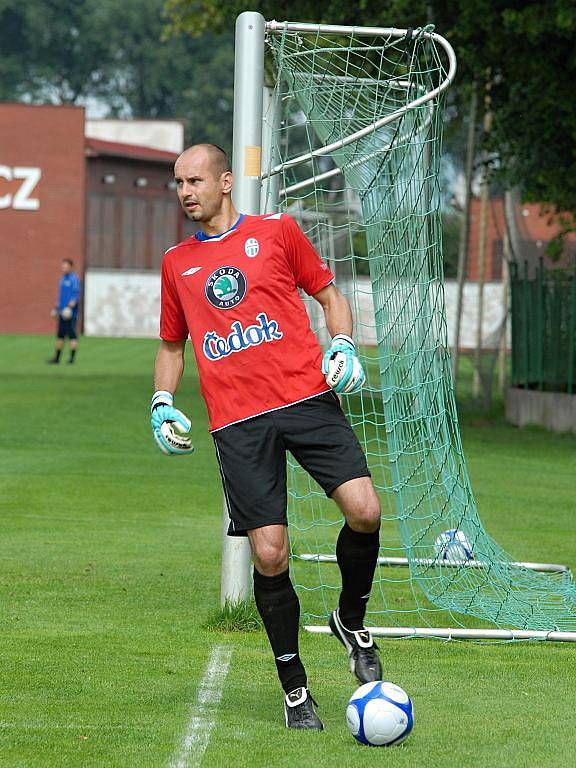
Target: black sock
279	608
72	355
57	354
357	554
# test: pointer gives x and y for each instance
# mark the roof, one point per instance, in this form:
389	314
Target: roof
536	228
538	224
101	148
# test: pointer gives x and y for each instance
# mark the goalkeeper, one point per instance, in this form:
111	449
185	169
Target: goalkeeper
66	310
233	288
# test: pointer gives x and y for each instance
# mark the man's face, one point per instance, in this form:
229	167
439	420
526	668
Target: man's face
200	191
66	267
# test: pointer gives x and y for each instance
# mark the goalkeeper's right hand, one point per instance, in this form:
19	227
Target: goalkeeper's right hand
169	425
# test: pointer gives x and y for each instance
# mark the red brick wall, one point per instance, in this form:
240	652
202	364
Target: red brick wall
43	225
495	228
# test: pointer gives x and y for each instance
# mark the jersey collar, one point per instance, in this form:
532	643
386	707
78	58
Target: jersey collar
202	236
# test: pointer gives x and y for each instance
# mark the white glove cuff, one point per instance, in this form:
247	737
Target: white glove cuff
161	397
344	337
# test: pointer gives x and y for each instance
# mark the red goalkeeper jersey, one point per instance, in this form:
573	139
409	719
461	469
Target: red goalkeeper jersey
236	296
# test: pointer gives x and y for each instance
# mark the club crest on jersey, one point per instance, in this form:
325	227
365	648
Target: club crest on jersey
226	287
216	347
251	247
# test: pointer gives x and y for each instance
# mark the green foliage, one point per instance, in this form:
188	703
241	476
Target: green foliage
67	51
52	51
525	50
556	248
195	16
114	51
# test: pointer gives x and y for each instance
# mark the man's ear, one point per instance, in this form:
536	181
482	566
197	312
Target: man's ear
227	181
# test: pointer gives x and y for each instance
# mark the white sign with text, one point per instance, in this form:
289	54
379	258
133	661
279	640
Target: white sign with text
21	200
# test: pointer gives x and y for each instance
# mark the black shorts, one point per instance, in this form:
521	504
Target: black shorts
66	328
252	458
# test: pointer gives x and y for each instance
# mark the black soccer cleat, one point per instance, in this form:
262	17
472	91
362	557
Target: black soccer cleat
364	661
299	711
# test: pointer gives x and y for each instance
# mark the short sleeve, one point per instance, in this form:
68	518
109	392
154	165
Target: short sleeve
173	326
310	272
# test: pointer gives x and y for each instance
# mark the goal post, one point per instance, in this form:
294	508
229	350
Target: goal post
246	167
353	131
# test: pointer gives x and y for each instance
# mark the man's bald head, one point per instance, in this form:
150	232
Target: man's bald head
216	157
204	185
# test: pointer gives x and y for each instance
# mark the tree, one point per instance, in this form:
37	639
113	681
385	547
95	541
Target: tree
525	49
71	51
52	50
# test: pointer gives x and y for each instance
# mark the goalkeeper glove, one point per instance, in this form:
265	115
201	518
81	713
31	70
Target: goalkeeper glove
169	425
343	370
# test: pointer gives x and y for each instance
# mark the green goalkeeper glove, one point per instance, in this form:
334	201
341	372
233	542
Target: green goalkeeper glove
169	425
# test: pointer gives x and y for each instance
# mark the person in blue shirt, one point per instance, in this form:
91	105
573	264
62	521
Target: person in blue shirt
66	310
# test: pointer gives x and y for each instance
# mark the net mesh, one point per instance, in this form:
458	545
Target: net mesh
373	212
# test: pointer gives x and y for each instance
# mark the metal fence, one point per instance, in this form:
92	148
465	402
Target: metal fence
543	309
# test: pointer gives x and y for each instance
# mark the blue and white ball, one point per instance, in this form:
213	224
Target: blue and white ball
380	714
452	546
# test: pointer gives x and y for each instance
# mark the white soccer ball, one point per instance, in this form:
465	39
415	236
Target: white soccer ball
337	369
380	714
66	313
453	546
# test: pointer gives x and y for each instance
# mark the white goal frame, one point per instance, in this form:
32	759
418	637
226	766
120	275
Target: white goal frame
252	145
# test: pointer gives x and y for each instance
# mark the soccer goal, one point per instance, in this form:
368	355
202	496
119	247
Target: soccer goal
341	127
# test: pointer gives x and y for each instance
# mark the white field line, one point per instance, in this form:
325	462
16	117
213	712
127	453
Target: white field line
68	726
204	712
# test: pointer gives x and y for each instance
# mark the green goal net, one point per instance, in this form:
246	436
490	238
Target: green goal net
356	128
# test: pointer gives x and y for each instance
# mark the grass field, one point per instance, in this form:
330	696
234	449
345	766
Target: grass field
110	573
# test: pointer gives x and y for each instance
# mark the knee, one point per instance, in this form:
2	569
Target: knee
365	517
270	559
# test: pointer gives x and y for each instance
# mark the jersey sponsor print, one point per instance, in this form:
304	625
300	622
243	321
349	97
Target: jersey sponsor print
216	347
237	296
226	287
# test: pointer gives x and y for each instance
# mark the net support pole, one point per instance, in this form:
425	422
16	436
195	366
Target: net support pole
460	633
235	584
431	561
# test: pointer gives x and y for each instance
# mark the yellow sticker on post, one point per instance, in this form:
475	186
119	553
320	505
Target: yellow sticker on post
252	161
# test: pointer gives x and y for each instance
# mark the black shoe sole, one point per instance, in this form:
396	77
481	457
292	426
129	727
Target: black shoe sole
317	728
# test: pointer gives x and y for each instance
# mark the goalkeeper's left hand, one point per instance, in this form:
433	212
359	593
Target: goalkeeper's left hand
169	425
343	370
